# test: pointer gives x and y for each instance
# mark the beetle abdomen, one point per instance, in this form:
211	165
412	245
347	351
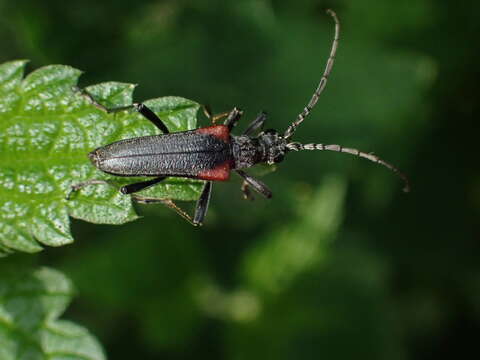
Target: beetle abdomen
188	154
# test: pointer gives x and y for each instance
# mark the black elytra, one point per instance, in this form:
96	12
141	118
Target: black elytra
209	153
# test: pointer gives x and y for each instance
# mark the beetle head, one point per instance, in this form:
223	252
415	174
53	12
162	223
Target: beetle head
274	146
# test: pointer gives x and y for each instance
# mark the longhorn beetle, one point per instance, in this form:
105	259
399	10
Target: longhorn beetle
209	153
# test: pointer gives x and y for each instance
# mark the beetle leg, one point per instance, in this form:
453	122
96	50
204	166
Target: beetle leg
256	124
81	185
200	209
150	115
220	116
141	108
233	118
127	189
168	203
257	185
136	187
207	110
247	194
202	204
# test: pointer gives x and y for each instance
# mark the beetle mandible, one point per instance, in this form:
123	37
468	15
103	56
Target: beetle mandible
209	153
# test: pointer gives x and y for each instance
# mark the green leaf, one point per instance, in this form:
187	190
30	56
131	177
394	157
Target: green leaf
46	132
30	304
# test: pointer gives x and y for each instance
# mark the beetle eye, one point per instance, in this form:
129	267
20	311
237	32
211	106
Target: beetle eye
270	132
279	158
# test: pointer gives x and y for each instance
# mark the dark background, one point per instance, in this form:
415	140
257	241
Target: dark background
340	264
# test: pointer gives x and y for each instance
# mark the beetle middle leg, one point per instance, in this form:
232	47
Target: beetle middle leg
200	209
245	187
141	108
256	124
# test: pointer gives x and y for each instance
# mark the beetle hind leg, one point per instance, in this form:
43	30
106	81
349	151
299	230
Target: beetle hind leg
168	203
127	189
136	187
77	187
141	108
99	106
200	209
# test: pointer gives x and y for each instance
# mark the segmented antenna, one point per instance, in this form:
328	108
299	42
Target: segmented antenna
323	81
338	148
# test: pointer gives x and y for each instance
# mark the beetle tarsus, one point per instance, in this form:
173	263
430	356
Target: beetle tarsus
168	203
247	194
214	118
207	111
77	187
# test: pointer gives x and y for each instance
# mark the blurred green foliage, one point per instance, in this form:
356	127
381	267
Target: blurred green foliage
340	263
30	303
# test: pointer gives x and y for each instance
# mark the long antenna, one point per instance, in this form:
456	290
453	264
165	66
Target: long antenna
338	148
323	81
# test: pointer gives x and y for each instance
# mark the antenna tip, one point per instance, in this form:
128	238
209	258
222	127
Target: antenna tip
406	189
331	12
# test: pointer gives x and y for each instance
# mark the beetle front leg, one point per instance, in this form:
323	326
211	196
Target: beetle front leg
256	124
141	108
207	110
233	118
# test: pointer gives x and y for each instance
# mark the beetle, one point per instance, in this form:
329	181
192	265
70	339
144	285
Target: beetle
209	153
